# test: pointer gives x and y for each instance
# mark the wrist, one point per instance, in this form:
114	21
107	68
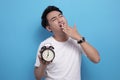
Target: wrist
81	40
78	37
43	66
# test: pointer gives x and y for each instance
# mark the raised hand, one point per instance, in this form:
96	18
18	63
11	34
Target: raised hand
71	32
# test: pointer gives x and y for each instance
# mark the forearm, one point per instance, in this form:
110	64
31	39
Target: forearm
39	72
91	52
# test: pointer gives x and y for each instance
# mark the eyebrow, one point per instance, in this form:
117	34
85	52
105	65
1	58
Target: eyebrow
55	16
52	18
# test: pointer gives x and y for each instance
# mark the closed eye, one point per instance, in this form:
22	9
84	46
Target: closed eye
60	15
53	19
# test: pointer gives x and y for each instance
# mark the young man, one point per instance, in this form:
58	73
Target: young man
68	46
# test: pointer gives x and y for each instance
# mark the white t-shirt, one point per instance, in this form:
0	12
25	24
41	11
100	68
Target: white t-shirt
67	62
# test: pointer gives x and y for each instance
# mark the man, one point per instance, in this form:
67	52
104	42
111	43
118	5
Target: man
68	46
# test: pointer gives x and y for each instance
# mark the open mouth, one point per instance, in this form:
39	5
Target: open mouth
61	25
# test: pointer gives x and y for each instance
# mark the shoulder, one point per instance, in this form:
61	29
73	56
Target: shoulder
46	41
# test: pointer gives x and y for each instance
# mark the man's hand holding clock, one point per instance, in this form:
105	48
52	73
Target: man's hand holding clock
46	54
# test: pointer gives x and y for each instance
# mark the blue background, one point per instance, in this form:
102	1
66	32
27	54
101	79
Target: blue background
21	33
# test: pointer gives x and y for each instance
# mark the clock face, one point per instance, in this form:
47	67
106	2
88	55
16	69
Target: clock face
48	55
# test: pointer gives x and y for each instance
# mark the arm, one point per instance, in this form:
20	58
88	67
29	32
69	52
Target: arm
39	71
90	51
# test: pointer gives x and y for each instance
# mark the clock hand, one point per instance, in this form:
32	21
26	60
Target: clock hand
48	54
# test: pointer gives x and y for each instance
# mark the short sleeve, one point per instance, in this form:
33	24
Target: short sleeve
37	63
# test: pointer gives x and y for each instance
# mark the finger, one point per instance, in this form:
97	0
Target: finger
66	31
40	58
42	61
66	28
74	27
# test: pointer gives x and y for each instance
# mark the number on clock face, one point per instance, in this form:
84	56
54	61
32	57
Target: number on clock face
48	55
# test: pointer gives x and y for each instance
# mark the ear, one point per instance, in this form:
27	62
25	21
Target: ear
48	28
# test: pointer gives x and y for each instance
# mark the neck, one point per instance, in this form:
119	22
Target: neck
61	38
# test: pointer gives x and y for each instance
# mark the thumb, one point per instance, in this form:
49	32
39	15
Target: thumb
39	57
74	27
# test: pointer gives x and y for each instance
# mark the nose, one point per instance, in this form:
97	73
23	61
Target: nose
59	20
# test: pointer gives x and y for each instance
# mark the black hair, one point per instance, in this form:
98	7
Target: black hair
44	21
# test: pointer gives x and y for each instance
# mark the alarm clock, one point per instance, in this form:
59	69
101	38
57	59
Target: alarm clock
47	53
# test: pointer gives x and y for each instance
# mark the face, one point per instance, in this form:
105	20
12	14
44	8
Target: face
55	20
